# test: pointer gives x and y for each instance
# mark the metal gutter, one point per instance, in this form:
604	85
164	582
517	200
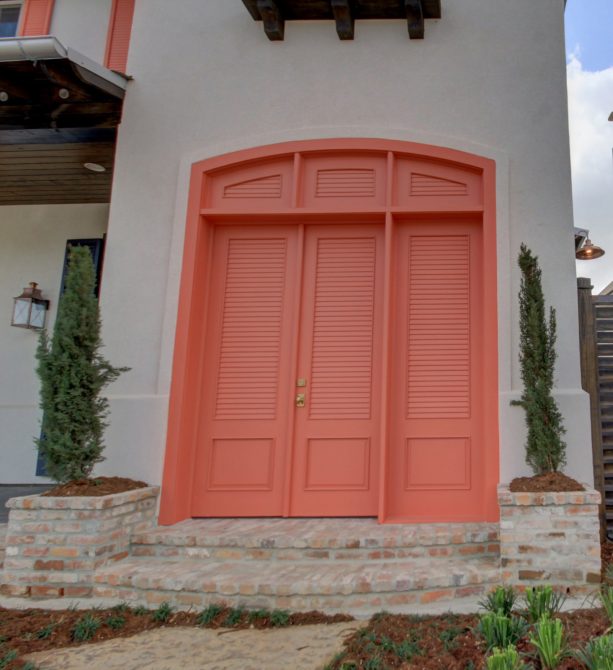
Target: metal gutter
34	49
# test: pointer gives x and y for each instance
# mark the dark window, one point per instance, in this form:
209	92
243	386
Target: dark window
9	20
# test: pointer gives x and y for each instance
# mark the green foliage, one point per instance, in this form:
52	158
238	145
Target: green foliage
502	599
541	601
548	638
505	659
115	621
45	632
162	613
209	614
140	610
7	658
545	448
28	665
597	654
234	617
499	630
606	598
72	374
85	628
279	618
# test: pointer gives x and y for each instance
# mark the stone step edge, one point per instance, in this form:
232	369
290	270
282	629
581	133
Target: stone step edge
229	578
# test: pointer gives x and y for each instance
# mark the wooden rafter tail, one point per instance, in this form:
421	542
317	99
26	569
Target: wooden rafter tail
274	23
415	19
345	21
432	9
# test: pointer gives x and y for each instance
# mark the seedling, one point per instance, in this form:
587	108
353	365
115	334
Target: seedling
505	659
8	657
541	601
209	614
140	610
234	617
85	628
162	613
597	654
502	599
548	638
45	632
115	621
500	631
279	618
606	598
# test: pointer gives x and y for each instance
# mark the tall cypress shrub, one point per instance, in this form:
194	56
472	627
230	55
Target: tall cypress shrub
72	373
545	448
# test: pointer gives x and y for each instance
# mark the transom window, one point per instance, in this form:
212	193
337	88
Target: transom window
9	18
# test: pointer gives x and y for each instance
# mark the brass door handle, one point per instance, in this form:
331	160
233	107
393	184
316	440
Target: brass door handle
300	399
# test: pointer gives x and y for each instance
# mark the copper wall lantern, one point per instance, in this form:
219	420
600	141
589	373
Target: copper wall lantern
30	308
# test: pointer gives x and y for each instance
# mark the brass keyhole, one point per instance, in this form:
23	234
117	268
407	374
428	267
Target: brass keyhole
300	399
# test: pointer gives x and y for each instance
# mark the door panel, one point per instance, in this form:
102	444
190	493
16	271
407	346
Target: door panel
241	456
335	466
436	452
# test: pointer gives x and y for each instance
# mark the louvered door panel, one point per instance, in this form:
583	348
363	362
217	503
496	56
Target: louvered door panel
336	437
246	392
437	456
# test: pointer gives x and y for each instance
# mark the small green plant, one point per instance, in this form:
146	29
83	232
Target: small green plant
448	637
8	657
502	599
597	654
373	663
85	628
505	659
122	608
606	598
140	610
29	666
548	639
234	616
209	614
162	613
279	618
45	632
115	621
542	600
499	630
406	649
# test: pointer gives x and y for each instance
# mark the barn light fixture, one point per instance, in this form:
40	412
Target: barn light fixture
30	308
94	167
589	251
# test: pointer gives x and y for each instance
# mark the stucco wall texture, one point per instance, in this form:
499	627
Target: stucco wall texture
489	78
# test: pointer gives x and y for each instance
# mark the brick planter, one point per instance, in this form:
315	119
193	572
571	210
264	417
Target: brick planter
550	538
54	545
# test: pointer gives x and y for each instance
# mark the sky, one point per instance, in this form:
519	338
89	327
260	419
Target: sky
589	48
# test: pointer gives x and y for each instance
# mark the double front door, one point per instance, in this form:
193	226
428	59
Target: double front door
291	390
308	389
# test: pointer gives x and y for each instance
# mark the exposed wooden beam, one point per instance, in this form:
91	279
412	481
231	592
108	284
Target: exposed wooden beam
415	19
345	21
274	23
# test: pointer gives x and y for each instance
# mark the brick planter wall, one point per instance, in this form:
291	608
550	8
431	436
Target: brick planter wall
54	545
550	538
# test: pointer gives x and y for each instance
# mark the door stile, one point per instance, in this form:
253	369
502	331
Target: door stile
293	370
386	362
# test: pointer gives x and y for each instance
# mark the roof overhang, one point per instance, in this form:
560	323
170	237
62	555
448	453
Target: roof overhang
274	13
58	110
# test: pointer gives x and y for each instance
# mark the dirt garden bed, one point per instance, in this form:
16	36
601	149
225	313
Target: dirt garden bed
97	486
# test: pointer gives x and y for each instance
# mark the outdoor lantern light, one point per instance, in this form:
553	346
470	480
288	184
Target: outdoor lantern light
30	309
589	251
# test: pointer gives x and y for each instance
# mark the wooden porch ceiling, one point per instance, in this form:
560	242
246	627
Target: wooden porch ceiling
274	13
54	117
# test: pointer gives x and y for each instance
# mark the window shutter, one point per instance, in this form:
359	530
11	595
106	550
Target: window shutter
36	17
118	39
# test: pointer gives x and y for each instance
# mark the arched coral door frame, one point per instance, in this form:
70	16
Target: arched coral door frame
188	352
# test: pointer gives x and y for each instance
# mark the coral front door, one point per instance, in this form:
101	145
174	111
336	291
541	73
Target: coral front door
291	379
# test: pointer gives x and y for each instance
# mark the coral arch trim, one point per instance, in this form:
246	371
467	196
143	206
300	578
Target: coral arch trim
375	180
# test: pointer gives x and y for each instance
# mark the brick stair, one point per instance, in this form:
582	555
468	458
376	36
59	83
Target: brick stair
300	564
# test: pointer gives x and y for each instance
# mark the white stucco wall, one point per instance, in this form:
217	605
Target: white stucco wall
489	78
32	245
82	25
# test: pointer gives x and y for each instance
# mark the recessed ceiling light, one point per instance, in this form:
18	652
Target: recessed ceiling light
94	167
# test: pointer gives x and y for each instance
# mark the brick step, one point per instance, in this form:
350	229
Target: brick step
328	586
315	539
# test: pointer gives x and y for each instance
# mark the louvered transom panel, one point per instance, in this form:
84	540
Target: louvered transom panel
438	374
345	183
342	354
266	187
424	185
251	329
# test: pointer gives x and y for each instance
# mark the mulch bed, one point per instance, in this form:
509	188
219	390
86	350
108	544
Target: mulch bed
446	642
98	486
32	630
550	481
